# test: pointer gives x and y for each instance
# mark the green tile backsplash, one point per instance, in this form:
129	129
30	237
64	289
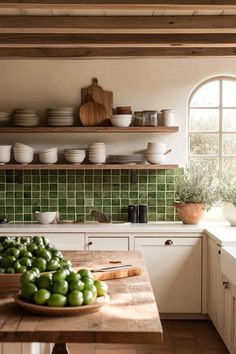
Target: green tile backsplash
76	193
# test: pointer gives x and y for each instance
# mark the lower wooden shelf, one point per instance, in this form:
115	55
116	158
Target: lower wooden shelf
87	167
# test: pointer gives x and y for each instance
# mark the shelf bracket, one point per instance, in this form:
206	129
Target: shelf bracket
134	176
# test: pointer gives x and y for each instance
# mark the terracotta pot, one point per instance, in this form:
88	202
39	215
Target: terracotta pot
189	213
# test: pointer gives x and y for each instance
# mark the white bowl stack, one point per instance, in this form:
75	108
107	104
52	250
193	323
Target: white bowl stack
48	156
4	118
5	154
156	152
121	120
97	153
60	116
74	156
24	117
23	154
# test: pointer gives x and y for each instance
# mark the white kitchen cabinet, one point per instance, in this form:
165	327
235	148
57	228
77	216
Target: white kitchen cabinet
108	243
174	267
67	241
214	283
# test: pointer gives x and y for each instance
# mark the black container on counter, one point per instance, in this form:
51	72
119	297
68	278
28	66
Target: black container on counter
143	213
133	213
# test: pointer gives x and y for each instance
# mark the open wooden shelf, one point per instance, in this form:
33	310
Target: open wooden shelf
87	167
73	129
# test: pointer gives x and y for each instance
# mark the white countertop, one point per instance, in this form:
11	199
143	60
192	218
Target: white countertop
220	232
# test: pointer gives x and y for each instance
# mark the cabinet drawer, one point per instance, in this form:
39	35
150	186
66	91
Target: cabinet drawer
108	243
67	242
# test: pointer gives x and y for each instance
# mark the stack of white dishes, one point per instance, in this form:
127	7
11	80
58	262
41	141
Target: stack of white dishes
121	120
127	159
74	156
60	116
156	152
97	153
4	118
24	117
5	154
23	154
48	156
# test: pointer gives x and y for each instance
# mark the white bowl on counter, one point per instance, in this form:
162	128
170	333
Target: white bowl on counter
5	154
75	156
48	156
46	217
22	147
158	148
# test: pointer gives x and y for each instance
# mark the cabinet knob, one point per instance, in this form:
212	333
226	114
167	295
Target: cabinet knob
226	284
90	243
219	251
169	243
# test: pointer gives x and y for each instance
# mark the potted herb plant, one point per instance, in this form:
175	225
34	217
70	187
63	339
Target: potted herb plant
196	190
228	197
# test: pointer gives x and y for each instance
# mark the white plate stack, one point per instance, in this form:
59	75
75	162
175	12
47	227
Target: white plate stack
60	116
23	154
97	153
24	117
48	156
156	152
4	118
74	156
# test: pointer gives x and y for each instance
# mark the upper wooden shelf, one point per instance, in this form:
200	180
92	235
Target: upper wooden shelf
88	167
88	130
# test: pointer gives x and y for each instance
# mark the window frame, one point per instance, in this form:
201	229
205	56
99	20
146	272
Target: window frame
218	132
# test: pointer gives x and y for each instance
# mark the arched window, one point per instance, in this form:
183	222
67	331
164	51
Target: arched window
212	125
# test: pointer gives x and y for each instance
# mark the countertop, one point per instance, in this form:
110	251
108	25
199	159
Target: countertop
220	232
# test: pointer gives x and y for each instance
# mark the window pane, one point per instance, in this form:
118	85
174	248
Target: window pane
204	144
207	95
229	120
229	93
203	120
213	163
229	144
229	168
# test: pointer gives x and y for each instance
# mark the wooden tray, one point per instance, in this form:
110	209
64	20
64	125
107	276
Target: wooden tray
62	311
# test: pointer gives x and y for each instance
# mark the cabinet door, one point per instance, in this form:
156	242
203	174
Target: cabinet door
11	348
224	310
232	319
67	242
108	243
214	283
174	267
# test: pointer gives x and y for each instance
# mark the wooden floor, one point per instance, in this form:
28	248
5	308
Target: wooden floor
180	337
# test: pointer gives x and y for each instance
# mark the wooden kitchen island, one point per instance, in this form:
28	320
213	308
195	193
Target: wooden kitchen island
130	317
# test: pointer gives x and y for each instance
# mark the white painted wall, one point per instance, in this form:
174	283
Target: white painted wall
142	83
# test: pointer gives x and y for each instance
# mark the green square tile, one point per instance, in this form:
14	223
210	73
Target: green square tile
151	179
53	202
124	195
160	179
170	187
161	187
115	202
79	186
97	187
142	187
152	202
79	202
170	172
152	217
124	187
151	187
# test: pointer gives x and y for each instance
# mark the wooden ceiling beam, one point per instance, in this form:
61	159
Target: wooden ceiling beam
116	40
118	24
119	4
96	53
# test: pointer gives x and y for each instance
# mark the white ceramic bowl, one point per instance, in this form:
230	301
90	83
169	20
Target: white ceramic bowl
121	122
75	158
156	158
122	116
46	217
21	146
96	159
159	148
229	213
74	151
48	150
50	159
5	154
24	157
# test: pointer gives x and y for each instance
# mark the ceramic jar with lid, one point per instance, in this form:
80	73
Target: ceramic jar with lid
168	117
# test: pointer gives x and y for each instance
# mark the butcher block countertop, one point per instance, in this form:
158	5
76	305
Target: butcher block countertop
130	317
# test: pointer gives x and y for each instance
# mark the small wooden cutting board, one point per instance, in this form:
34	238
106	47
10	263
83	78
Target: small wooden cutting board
92	114
99	95
115	274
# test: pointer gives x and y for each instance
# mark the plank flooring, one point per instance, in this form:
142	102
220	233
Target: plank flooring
180	337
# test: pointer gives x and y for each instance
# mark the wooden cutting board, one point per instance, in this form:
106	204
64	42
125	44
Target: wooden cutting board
99	95
115	274
92	114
